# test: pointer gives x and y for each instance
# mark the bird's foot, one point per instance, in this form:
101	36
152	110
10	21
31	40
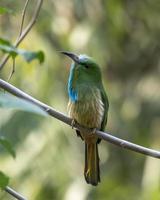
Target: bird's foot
47	109
73	123
94	130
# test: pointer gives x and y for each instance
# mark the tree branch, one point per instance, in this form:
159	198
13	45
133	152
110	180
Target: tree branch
60	116
23	34
14	193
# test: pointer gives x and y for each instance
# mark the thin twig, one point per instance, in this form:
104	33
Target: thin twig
20	32
13	69
103	135
14	193
25	32
23	18
32	22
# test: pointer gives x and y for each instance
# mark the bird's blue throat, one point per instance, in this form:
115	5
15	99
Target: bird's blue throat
73	94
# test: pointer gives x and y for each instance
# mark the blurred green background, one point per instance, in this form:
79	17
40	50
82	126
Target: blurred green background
124	37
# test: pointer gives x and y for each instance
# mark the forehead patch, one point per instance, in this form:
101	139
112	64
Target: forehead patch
83	58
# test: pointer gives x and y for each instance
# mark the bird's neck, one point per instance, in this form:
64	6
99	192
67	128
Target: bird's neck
78	91
78	86
72	90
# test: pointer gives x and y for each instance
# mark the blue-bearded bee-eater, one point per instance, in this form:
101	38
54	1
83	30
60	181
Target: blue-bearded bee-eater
88	105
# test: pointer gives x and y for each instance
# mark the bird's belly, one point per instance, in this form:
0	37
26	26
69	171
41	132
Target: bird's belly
87	113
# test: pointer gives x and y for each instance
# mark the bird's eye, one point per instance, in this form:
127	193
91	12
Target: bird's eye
86	66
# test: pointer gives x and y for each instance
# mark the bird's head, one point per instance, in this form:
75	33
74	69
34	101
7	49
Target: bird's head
85	68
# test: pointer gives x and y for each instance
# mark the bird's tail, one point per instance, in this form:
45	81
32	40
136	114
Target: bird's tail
91	171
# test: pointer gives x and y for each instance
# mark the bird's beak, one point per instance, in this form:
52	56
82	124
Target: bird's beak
71	55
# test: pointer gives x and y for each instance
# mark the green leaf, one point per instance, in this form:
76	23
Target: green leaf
12	102
7	47
4	10
4	180
4	41
30	55
7	145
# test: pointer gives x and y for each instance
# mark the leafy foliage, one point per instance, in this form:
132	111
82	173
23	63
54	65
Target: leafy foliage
7	145
4	180
7	47
4	10
30	55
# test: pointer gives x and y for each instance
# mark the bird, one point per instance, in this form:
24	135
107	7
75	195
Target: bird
88	106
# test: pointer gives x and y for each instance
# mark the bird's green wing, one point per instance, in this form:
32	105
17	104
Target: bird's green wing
106	107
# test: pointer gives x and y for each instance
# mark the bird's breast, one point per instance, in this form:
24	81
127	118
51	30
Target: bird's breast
88	110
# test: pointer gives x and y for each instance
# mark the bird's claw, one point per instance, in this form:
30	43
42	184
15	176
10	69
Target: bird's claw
94	130
73	123
47	109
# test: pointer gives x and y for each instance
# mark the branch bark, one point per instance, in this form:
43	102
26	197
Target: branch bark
60	116
14	193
